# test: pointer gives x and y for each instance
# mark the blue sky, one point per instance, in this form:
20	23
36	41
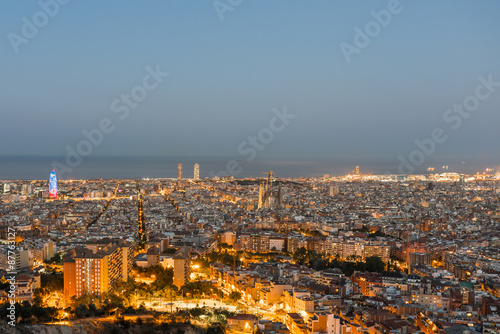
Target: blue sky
226	76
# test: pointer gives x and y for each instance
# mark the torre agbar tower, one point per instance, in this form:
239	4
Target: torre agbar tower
53	185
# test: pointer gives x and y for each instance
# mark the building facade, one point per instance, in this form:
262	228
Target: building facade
93	272
181	266
53	185
179	171
196	174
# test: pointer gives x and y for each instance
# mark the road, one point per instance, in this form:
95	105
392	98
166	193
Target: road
109	319
185	304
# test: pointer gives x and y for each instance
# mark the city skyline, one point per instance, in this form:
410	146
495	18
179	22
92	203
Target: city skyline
400	252
250	167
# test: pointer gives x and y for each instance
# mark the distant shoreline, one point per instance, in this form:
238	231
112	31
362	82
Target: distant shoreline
126	167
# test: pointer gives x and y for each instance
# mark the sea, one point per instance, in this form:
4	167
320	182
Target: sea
119	167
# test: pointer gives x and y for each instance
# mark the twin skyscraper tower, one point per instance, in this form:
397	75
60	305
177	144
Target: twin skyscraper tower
196	174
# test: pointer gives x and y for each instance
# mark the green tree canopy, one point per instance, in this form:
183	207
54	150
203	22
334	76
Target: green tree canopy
235	296
374	264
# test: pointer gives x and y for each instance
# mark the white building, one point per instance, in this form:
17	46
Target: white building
196	172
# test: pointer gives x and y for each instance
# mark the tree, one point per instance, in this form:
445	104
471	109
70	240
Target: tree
55	259
27	313
300	254
352	258
53	281
82	311
374	264
235	296
200	288
169	292
84	299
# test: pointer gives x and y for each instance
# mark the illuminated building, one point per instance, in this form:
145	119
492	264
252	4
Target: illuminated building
242	323
49	249
295	323
91	271
270	198
181	266
53	185
228	238
25	189
303	302
196	172
382	251
23	258
69	271
415	248
153	256
254	242
418	259
333	190
323	322
356	171
4	188
179	171
366	280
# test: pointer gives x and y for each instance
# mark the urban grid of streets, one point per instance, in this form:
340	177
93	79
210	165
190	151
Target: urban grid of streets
439	230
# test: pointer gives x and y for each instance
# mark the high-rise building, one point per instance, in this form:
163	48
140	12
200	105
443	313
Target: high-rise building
4	188
254	242
24	258
382	251
462	180
49	249
196	175
53	185
418	258
179	171
415	247
228	238
26	189
333	190
181	266
92	271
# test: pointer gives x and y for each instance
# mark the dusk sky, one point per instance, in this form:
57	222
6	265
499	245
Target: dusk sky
227	76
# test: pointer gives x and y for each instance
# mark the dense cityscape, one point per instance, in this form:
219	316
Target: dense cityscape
351	254
250	167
